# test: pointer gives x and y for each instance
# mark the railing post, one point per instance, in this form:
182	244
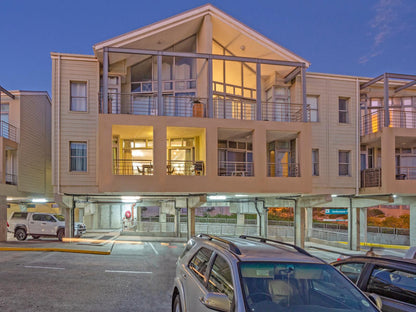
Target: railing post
210	108
159	86
386	101
258	94
105	81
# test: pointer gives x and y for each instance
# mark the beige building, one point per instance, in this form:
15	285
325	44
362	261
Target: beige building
199	109
25	158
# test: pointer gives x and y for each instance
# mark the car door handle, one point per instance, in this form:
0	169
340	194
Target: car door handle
184	276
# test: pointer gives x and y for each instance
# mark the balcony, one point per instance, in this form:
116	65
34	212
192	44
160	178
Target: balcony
283	170
399	118
405	173
371	177
11	178
235	168
138	103
8	131
145	167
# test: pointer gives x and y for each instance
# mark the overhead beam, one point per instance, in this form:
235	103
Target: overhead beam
372	81
6	92
292	74
205	56
405	86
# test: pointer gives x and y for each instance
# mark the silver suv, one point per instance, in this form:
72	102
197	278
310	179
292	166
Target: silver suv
257	274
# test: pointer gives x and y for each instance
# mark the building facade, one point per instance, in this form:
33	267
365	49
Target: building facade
200	109
25	143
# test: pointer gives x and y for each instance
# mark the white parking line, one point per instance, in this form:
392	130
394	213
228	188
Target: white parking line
154	249
41	267
128	272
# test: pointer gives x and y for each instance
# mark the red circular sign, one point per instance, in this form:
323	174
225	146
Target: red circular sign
128	214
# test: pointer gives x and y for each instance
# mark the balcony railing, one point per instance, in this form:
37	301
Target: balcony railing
405	173
138	103
11	178
235	168
8	131
283	170
185	167
371	177
399	118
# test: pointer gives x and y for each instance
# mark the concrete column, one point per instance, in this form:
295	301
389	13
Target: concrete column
177	222
308	223
139	219
299	225
261	218
3	219
162	221
240	224
353	228
191	222
412	228
363	225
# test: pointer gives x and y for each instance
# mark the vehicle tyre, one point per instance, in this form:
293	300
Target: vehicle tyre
20	234
61	234
35	236
177	304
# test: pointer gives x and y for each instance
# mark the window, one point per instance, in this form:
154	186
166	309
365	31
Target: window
78	96
351	270
78	156
343	110
220	279
199	263
344	163
312	102
393	284
315	162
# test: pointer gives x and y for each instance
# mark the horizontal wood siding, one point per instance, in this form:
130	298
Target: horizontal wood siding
76	126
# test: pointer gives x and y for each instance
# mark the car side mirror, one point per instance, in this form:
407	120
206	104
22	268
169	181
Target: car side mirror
216	301
376	300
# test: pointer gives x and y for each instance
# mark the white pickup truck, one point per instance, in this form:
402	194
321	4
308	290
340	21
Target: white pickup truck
39	224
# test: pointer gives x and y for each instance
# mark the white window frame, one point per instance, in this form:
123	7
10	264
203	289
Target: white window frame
343	111
77	107
78	157
309	100
315	162
343	164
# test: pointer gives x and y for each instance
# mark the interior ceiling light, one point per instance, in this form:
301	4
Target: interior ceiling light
217	197
129	199
334	195
241	195
39	200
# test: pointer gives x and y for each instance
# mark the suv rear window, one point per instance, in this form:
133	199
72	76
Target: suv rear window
19	215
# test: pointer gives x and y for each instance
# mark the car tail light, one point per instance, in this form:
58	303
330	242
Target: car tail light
7	224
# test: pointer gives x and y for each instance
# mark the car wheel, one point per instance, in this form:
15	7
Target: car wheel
20	234
177	304
35	236
61	234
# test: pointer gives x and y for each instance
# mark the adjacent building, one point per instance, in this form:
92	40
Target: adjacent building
199	109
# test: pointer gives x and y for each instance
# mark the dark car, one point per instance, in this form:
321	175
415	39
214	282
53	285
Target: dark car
258	274
393	279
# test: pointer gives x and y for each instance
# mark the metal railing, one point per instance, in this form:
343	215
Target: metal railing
11	178
283	170
139	103
371	177
8	131
185	167
235	168
405	173
399	118
132	167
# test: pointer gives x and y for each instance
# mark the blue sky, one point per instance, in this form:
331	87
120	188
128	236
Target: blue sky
352	37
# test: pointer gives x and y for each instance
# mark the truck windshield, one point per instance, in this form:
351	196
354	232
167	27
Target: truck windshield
276	286
60	217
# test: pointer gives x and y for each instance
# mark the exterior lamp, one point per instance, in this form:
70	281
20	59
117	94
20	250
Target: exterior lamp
39	200
217	197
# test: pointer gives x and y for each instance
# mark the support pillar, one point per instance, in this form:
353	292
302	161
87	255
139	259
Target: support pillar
412	229
240	224
262	218
299	225
353	228
162	221
363	225
308	223
3	219
177	222
191	222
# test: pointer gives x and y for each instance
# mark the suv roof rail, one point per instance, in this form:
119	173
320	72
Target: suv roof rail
231	245
265	240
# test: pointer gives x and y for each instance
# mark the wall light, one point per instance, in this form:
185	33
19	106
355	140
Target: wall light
334	195
129	199
241	195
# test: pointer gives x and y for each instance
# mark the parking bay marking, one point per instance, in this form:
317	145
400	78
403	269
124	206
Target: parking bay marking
154	249
128	272
42	267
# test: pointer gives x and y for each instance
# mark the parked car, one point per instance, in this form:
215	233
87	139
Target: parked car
257	274
393	279
39	224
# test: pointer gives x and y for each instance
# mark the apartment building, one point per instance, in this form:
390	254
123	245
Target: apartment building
199	109
25	144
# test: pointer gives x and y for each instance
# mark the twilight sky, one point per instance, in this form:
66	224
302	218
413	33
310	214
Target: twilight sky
352	37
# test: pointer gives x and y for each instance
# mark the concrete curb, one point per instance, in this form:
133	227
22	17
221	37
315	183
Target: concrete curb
381	245
96	252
